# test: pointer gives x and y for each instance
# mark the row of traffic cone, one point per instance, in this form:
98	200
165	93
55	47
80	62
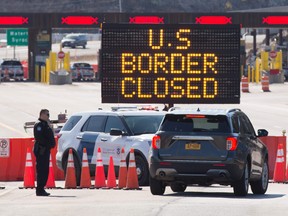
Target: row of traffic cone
127	179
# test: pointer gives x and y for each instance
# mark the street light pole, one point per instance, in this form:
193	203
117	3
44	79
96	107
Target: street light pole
120	6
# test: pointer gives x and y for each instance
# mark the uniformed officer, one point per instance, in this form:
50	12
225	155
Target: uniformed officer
44	141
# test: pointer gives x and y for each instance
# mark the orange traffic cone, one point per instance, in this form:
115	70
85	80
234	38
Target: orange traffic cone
29	173
279	171
100	180
122	177
132	178
85	173
70	179
51	177
111	178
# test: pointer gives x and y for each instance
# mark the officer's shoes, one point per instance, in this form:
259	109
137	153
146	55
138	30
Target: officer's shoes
42	193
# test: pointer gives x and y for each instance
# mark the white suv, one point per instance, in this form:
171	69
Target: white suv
112	131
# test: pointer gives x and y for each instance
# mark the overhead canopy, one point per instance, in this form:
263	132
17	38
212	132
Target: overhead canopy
142	6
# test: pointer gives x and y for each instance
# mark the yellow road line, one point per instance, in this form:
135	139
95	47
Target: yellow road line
14	130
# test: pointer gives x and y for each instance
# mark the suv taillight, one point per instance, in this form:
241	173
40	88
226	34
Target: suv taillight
156	142
231	143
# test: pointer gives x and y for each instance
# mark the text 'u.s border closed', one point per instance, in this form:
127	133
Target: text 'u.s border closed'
170	63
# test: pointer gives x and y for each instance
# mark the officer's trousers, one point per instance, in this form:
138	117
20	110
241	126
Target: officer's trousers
42	168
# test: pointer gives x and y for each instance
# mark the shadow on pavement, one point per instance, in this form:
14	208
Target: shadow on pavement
57	196
224	195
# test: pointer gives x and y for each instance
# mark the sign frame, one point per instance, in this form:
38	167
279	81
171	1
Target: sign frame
17	37
120	75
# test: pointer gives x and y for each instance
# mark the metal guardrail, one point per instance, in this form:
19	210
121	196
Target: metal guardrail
62	118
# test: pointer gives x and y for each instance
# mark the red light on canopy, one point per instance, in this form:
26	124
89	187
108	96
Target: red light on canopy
275	20
213	20
146	20
79	20
13	20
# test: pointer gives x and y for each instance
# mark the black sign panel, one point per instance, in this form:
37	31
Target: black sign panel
170	63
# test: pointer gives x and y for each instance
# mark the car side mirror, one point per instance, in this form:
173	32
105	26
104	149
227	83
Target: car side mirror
262	133
116	132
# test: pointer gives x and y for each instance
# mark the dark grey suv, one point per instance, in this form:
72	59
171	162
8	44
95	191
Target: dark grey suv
74	40
11	69
208	147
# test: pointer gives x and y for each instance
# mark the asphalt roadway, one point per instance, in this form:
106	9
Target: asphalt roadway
197	201
21	102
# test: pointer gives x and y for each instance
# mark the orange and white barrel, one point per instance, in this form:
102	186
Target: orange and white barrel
265	83
245	84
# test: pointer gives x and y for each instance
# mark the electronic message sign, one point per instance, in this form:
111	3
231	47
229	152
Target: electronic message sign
170	63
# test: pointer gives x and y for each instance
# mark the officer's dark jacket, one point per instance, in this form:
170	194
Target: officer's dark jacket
43	134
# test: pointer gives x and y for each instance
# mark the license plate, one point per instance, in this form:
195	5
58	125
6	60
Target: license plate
192	146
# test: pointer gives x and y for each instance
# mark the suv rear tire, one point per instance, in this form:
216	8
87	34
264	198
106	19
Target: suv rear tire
260	186
142	170
178	187
241	187
156	187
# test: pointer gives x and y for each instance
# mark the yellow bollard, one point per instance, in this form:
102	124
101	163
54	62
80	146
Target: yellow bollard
53	58
257	69
48	69
265	61
36	74
42	74
252	74
46	80
278	61
67	61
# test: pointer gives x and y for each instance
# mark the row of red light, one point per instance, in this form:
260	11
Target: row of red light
270	20
90	20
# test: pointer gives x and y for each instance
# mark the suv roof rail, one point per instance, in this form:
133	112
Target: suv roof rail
124	108
148	108
174	108
233	110
10	59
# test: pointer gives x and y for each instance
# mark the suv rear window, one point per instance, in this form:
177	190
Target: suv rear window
16	63
81	65
195	123
70	124
72	37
